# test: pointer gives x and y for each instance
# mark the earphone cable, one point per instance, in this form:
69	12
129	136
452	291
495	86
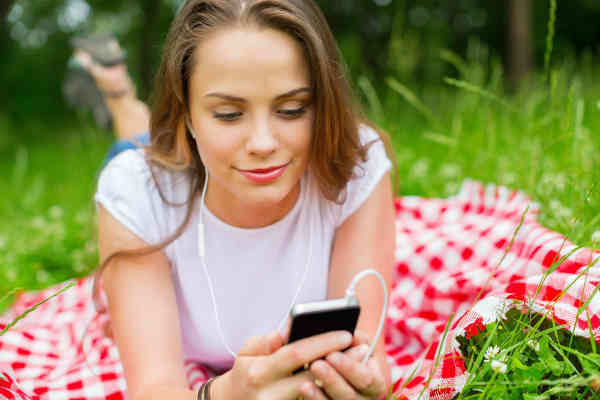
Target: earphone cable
350	294
202	254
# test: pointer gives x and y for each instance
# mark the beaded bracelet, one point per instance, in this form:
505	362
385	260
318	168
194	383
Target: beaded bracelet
204	391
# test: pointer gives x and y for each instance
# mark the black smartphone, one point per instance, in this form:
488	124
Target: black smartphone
309	319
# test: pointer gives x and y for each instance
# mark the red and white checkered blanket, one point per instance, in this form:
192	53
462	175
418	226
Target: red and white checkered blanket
447	251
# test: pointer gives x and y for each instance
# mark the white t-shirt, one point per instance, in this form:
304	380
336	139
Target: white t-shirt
255	273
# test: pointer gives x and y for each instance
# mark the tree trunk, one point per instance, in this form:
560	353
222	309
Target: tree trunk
150	11
520	45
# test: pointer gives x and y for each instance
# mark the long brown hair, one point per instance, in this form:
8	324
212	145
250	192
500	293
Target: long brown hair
335	147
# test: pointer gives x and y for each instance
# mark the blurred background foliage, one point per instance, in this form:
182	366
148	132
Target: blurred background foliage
403	38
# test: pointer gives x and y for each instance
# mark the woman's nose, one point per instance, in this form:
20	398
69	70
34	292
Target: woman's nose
262	138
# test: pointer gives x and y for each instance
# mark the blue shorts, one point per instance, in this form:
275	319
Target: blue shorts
122	145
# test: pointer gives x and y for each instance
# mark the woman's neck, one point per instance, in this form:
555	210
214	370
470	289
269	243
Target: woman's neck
234	212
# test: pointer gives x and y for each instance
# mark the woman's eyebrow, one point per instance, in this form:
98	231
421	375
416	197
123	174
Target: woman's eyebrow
242	100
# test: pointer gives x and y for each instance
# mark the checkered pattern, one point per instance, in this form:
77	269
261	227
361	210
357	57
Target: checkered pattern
451	259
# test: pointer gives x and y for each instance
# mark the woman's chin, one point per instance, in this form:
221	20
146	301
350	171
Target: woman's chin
266	198
263	198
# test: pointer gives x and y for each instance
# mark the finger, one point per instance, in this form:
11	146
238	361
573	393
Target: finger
357	353
289	388
364	378
275	341
360	337
294	355
382	386
331	381
255	346
286	330
312	391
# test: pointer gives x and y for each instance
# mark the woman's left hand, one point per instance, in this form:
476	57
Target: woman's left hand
342	376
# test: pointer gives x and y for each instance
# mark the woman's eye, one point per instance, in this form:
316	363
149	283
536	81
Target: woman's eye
228	116
293	113
287	113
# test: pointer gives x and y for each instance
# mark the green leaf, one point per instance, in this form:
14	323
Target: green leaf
547	357
516	363
590	363
529	396
531	374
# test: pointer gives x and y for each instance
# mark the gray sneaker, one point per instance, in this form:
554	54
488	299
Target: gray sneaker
79	87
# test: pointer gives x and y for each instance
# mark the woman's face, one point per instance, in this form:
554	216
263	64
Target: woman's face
250	106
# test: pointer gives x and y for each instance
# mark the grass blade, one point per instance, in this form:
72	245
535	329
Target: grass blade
478	90
550	38
24	314
412	99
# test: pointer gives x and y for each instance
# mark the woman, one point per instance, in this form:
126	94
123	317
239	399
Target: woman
260	169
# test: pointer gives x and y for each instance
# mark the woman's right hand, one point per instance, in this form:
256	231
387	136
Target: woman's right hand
263	367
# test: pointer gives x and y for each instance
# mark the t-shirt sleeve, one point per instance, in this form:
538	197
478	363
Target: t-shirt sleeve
126	190
367	176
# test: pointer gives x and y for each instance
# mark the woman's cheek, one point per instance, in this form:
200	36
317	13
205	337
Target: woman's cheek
220	150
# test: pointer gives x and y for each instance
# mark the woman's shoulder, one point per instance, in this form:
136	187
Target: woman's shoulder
367	133
130	177
132	165
367	174
134	192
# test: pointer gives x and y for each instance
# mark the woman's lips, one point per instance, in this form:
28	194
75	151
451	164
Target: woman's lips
264	175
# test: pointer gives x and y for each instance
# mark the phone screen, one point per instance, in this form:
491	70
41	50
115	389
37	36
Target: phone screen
316	322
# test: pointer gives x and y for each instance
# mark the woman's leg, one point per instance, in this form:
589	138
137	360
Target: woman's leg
130	116
125	144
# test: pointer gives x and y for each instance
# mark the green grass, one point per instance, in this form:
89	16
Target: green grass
536	360
48	180
543	141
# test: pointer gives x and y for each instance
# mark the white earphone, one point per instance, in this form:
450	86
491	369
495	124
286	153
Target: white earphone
349	291
202	255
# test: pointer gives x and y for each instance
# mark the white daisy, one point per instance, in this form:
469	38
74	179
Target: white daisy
491	352
498	367
534	345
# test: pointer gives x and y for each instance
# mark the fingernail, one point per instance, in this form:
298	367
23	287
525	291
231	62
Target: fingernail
318	383
345	338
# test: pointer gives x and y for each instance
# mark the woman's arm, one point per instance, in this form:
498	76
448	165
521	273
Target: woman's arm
145	324
366	240
143	314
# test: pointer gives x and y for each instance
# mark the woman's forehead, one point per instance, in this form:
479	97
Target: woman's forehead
248	59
